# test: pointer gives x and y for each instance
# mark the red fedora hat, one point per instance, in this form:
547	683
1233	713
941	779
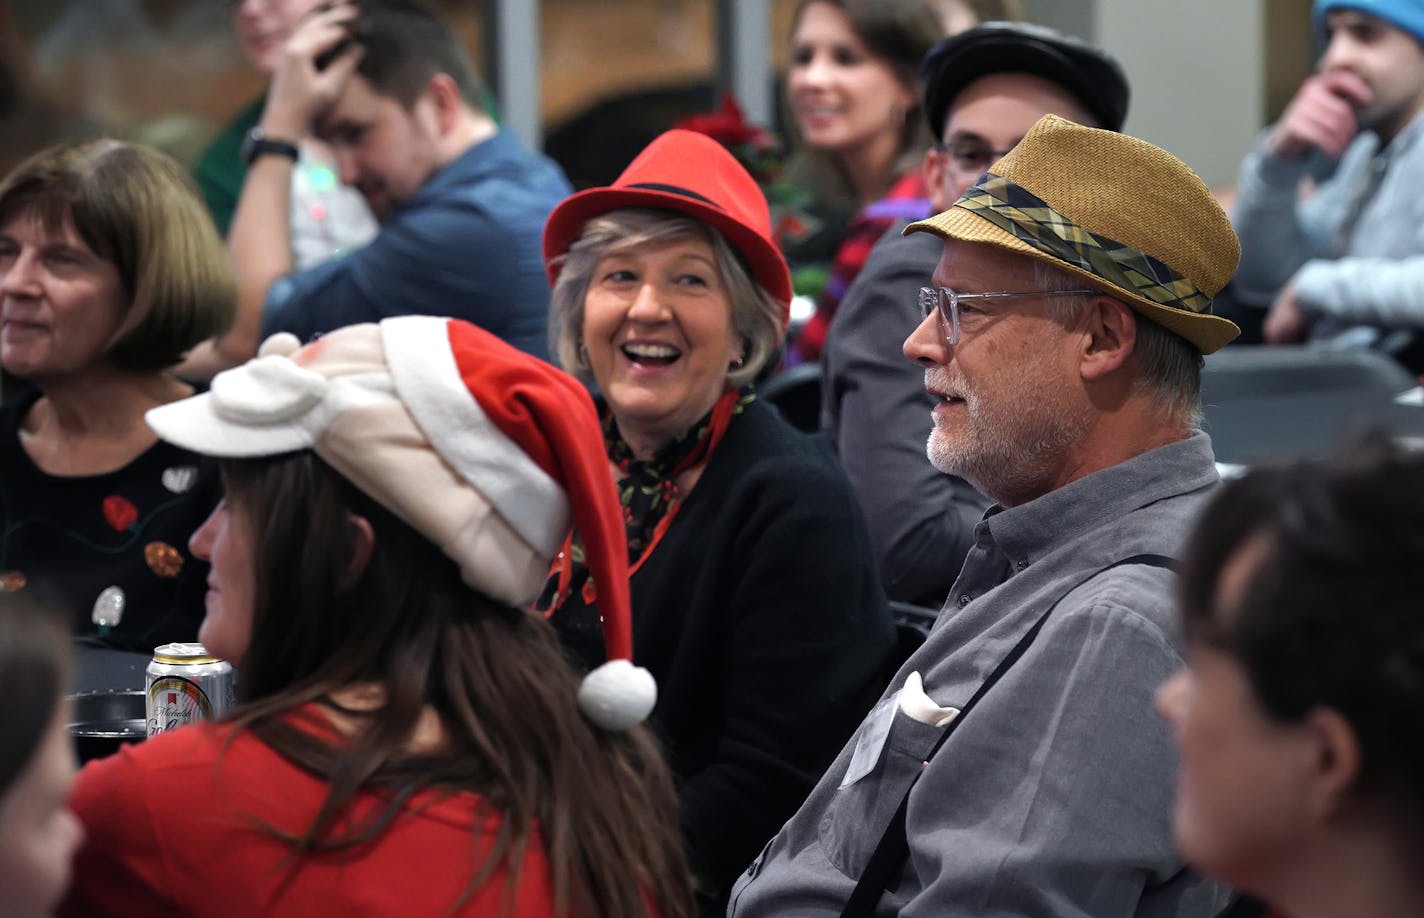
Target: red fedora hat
693	174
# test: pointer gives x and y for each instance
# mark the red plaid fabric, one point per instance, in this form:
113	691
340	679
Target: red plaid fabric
907	199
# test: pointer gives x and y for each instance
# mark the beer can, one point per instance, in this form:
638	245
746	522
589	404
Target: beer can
185	684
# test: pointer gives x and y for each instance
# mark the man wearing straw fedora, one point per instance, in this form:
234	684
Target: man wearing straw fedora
984	89
1013	766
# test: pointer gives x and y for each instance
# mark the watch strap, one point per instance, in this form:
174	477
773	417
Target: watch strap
258	144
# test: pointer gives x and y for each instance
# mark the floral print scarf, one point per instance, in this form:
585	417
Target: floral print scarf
649	494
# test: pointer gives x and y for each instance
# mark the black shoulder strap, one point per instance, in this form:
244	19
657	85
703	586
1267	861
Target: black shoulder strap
891	852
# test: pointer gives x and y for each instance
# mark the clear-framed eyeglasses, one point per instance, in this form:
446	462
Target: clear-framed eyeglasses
950	304
970	157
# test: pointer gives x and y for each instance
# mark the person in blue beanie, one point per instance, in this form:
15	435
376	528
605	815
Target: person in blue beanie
1338	263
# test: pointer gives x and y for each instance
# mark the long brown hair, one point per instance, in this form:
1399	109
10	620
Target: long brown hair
603	802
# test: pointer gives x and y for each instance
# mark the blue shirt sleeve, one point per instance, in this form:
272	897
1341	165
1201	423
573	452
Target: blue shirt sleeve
474	255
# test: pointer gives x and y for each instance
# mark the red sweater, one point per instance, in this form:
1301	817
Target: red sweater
171	831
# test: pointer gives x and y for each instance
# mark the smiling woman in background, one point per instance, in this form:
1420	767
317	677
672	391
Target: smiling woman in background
756	602
109	271
853	88
1300	714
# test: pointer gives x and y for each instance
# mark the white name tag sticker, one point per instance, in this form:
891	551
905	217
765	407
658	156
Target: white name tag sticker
872	740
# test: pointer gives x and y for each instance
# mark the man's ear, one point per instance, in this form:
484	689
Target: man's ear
1110	337
445	100
936	162
363	545
1335	764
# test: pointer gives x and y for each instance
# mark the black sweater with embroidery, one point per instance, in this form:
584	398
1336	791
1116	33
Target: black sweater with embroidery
761	616
65	540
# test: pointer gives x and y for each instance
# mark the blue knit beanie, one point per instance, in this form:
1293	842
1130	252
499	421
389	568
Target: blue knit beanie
1405	15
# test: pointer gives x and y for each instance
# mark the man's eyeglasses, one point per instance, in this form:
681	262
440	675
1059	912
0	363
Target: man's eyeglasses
970	157
949	305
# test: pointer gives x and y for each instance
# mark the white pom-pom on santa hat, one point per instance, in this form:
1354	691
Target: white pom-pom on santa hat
618	695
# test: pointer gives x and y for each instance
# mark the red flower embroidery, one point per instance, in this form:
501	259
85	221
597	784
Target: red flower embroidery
120	512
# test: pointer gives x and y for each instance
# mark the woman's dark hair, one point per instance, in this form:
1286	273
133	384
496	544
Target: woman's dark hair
34	674
496	676
1333	614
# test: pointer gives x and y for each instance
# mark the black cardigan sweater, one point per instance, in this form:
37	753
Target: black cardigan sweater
761	616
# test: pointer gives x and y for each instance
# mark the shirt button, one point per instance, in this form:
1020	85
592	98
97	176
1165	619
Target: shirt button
965	599
1021	564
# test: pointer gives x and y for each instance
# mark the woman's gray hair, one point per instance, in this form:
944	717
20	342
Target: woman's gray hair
1170	366
756	315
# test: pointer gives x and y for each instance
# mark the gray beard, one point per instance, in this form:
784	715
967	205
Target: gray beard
1009	462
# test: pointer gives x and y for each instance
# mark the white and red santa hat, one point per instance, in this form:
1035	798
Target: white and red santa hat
490	453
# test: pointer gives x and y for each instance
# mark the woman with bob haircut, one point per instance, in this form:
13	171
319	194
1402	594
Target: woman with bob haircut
38	832
854	92
1298	716
110	270
409	738
758	608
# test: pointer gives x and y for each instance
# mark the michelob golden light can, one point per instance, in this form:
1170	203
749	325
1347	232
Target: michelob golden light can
185	684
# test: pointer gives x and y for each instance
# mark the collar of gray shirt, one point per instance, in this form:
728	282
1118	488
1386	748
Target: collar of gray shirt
1028	532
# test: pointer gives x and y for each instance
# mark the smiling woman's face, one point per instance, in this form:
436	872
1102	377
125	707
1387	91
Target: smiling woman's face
844	98
657	325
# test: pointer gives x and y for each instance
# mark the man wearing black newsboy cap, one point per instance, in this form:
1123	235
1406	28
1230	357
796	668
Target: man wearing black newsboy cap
984	88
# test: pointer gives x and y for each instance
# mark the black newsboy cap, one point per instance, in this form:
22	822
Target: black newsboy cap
1019	47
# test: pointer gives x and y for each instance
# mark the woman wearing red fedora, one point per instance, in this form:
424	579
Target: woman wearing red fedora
756	602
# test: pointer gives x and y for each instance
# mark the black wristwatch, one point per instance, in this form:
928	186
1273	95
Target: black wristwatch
257	144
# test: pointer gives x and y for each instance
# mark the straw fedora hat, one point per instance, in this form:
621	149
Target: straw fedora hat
692	174
1127	217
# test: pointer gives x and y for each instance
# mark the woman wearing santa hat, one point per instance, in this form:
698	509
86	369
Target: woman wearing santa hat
756	602
409	739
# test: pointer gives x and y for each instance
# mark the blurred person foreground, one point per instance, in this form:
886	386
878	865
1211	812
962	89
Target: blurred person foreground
1297	715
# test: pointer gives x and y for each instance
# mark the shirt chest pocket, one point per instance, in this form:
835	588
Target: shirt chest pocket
859	813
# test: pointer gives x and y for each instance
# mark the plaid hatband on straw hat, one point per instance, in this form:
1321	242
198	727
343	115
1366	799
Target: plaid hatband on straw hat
488	452
1127	217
